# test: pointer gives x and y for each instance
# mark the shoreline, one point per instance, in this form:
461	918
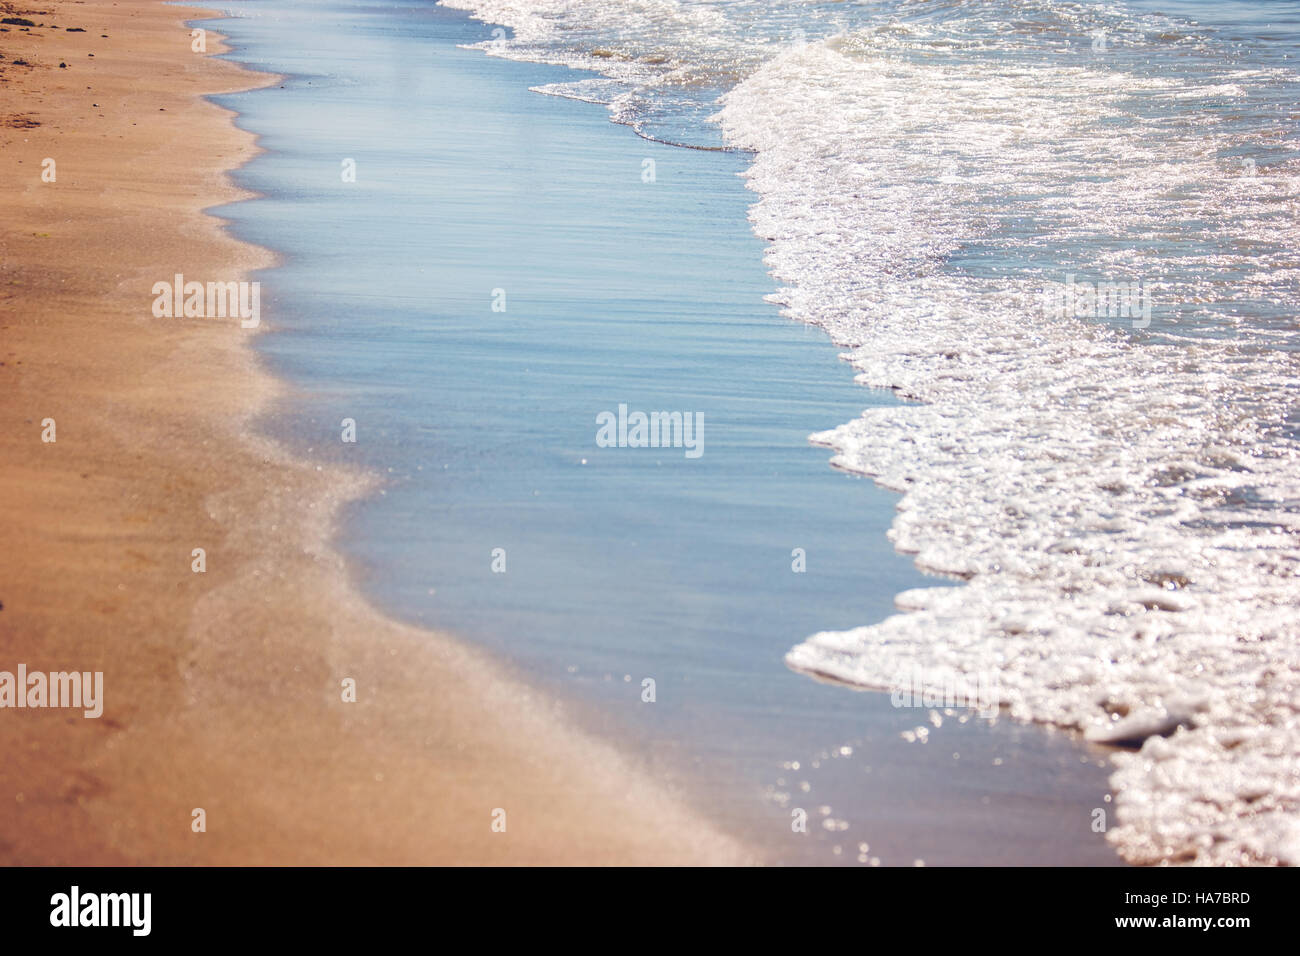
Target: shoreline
222	688
732	717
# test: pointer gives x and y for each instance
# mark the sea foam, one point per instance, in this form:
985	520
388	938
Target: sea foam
1123	510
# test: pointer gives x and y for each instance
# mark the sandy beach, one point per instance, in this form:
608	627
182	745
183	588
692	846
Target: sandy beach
311	312
223	690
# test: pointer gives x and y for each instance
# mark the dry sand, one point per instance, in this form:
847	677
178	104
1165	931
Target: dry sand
223	688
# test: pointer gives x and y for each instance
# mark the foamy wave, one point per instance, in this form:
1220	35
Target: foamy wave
1125	511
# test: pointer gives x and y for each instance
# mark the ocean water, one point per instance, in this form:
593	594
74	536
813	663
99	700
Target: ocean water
591	570
1069	234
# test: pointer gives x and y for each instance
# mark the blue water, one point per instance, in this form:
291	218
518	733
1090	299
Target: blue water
621	564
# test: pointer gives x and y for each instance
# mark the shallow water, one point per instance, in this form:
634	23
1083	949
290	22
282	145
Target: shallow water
1119	478
621	564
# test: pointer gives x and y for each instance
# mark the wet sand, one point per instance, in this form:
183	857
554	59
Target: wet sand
223	689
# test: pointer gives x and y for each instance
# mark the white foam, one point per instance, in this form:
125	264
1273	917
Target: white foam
1125	511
